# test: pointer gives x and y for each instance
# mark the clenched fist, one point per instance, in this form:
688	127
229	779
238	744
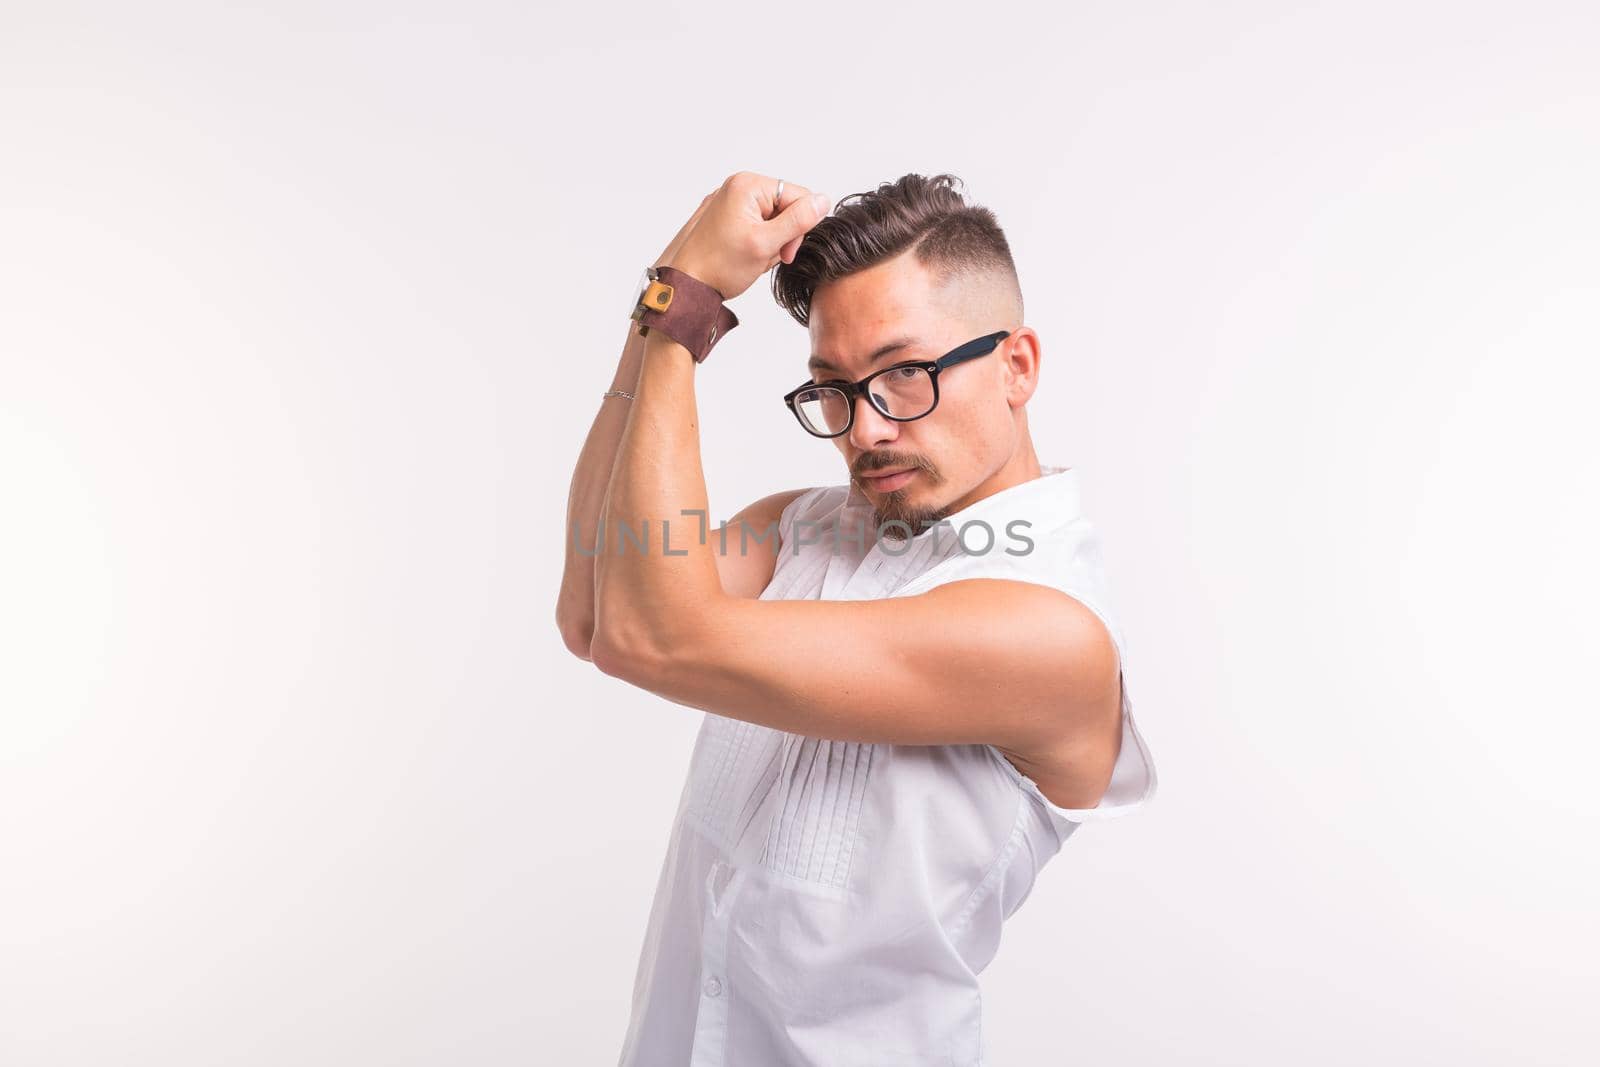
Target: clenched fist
741	231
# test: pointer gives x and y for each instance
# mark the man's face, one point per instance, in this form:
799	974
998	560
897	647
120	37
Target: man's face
971	432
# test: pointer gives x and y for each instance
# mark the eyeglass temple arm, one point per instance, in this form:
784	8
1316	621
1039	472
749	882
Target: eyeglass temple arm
973	349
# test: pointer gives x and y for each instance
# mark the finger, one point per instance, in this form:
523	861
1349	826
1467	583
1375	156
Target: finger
791	247
771	205
799	217
787	253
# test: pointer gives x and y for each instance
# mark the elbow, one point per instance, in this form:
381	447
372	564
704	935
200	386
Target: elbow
615	652
577	632
606	656
613	649
651	650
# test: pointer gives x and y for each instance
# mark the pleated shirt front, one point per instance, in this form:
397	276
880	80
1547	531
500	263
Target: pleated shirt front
833	903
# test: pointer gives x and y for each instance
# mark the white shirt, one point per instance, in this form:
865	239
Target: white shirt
832	903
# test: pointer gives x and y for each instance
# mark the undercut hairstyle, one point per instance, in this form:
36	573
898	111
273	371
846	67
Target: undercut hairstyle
950	237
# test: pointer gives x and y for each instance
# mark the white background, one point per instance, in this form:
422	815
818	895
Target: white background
304	315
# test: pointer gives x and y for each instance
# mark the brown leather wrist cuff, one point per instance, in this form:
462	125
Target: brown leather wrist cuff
686	309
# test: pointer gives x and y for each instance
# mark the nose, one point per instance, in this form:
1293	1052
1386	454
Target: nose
869	428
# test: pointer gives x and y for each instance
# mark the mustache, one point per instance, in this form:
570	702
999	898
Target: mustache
886	465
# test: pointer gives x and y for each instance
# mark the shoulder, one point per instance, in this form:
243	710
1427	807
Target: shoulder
792	505
774	514
770	507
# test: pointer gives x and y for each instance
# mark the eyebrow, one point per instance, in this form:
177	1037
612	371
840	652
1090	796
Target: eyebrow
817	363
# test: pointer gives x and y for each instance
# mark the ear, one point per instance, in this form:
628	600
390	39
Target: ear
1021	354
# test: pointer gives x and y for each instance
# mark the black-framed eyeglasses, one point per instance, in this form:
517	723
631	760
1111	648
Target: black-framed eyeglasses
903	392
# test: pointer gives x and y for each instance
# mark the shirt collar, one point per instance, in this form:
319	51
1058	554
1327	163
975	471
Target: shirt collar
1053	499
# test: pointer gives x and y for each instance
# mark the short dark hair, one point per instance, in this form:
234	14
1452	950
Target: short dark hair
930	215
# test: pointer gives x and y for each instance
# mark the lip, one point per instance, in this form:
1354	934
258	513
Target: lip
887	483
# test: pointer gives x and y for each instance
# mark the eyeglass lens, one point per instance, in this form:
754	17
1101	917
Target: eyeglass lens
901	393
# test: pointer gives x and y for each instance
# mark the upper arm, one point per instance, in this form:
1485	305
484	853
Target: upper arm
747	563
1015	664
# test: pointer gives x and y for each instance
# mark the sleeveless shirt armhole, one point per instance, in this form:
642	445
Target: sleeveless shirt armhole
802	506
1133	780
790	512
1133	777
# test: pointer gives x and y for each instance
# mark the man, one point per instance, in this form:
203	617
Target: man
915	690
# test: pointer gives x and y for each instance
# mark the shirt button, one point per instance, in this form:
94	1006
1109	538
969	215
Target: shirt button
713	986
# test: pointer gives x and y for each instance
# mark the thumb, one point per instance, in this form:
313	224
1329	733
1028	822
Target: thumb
799	217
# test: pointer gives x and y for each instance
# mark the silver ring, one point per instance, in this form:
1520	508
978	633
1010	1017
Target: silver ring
777	197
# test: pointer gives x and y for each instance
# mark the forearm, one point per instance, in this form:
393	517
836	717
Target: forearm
647	594
575	605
